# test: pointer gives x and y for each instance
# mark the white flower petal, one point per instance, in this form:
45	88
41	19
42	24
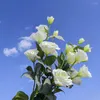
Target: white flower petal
49	47
32	54
83	72
61	78
81	56
42	28
71	57
38	36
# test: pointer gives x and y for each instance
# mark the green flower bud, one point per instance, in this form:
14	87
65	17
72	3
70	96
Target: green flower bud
50	19
81	40
55	33
87	48
69	48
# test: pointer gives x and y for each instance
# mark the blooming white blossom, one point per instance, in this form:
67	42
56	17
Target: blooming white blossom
69	48
76	57
61	78
71	57
32	54
50	19
49	47
42	28
81	56
38	36
83	72
87	48
81	40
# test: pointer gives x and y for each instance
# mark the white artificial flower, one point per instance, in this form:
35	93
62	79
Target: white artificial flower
38	36
61	78
32	54
42	28
81	56
83	72
71	57
69	48
77	80
81	40
50	19
87	48
49	47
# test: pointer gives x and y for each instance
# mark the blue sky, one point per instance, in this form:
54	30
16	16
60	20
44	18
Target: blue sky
73	18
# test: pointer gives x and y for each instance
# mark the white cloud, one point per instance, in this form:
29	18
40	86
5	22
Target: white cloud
10	52
24	45
26	38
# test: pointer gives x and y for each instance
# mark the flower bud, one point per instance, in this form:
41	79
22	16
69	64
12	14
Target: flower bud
69	48
55	33
50	19
81	40
87	48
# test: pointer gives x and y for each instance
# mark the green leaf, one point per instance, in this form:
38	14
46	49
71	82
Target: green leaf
58	90
28	75
20	96
41	53
29	68
49	60
39	69
51	97
34	93
46	88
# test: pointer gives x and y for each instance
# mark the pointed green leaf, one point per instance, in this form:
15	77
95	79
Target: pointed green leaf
21	96
49	60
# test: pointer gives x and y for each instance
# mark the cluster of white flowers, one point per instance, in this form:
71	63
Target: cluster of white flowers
74	55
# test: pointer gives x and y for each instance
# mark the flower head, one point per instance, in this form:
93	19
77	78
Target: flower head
38	36
87	48
32	54
71	57
42	28
81	40
61	78
81	56
50	19
83	72
49	47
69	48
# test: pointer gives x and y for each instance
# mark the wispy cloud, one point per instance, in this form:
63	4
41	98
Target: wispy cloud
24	45
26	38
10	52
